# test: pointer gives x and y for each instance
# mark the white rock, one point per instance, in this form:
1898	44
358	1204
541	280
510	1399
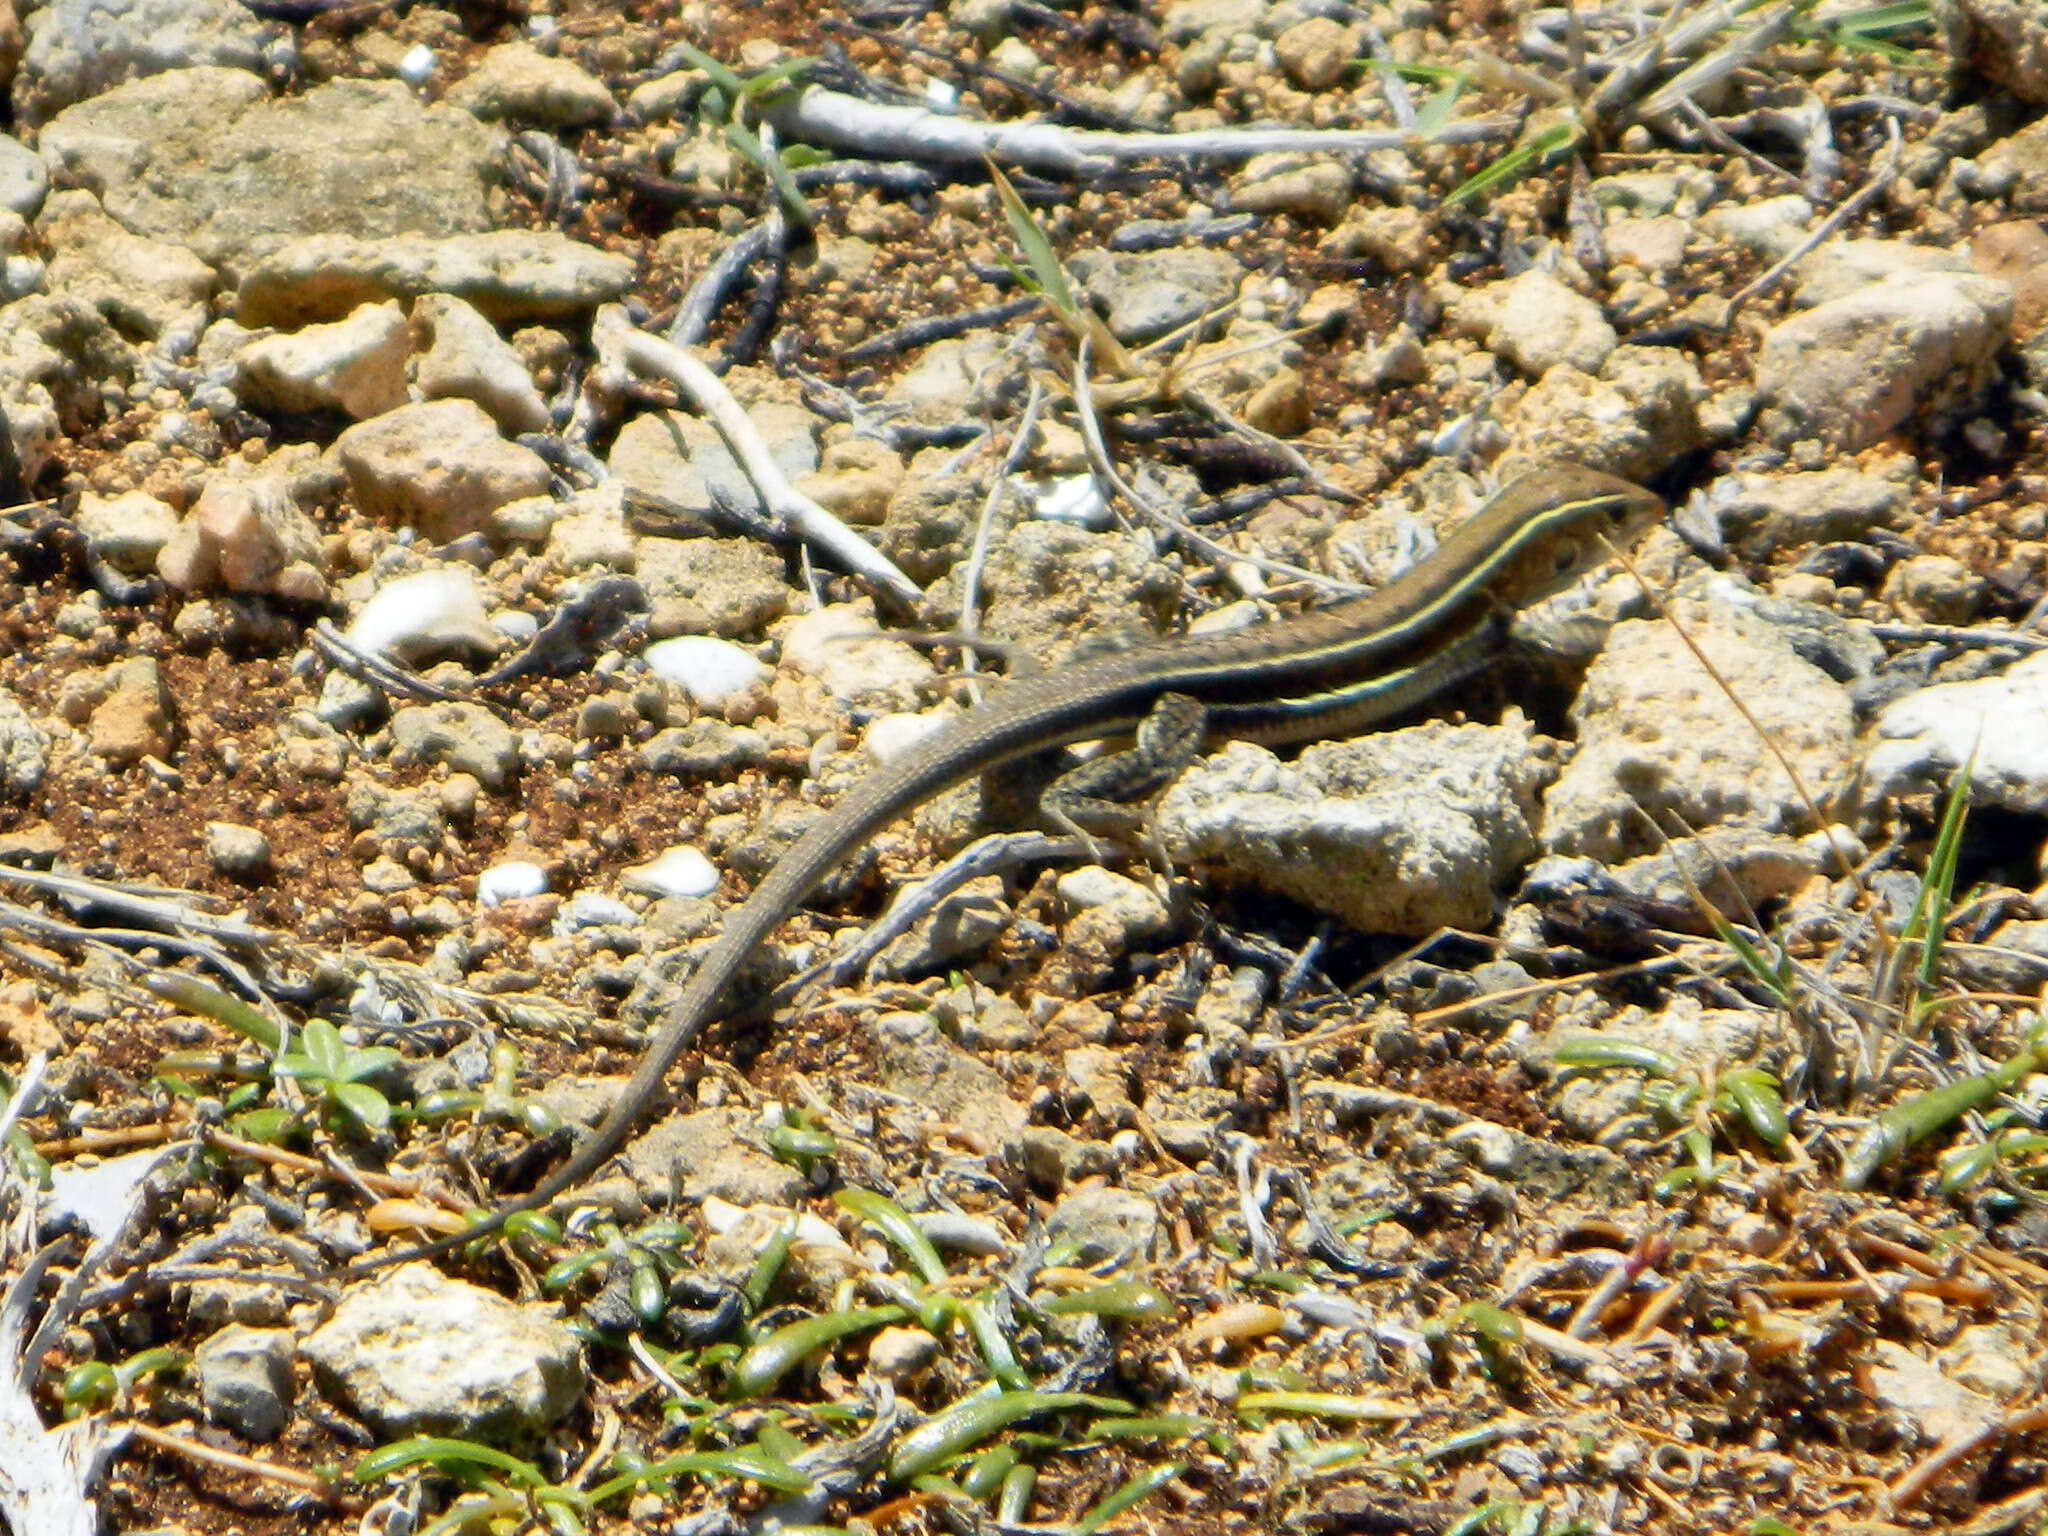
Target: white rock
435	612
356	365
709	671
510	881
1999	725
679	871
1072	499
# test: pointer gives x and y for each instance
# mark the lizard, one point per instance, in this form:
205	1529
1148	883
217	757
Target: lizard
1330	671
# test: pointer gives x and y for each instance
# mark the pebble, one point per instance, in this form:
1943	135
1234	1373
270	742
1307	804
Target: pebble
712	672
512	880
679	871
436	612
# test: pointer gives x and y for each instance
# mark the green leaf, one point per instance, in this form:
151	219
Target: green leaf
364	1104
1532	151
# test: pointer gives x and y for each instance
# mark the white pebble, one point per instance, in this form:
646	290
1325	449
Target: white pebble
417	67
675	872
589	909
509	882
418	611
890	736
942	94
1073	499
709	671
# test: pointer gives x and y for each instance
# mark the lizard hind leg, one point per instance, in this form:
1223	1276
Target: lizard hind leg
1107	796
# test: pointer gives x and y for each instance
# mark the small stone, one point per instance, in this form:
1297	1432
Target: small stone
133	721
1316	53
245	1379
1935	588
441	466
240	853
356	365
466	737
467	358
1280	406
519	83
712	672
512	880
679	871
128	531
897	1354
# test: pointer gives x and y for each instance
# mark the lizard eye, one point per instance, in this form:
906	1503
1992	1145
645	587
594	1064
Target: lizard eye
1565	556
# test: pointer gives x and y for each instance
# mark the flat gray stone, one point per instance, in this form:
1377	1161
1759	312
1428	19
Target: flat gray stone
208	159
79	48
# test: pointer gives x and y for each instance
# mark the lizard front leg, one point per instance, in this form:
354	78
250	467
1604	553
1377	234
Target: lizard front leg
1104	795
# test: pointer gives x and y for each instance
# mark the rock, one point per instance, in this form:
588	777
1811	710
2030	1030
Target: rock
356	365
133	720
518	83
1934	589
1111	915
681	871
507	275
440	466
427	616
467	358
1841	267
143	287
465	737
1114	1228
128	531
247	535
2018	166
2004	42
2016	253
844	648
23	758
682	461
1316	53
1737	868
24	179
1853	369
205	158
1771	228
1398	238
1657	245
1280	406
721	586
897	1354
413	1352
955	377
705	749
1762	514
710	1154
79	48
1314	186
854	480
1186	20
1146	294
915	1060
1999	725
245	1379
1535	322
1659	738
1919	1399
712	672
1402	832
240	853
1640	413
52	349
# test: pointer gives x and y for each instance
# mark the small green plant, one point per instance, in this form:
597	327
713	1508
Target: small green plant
335	1071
